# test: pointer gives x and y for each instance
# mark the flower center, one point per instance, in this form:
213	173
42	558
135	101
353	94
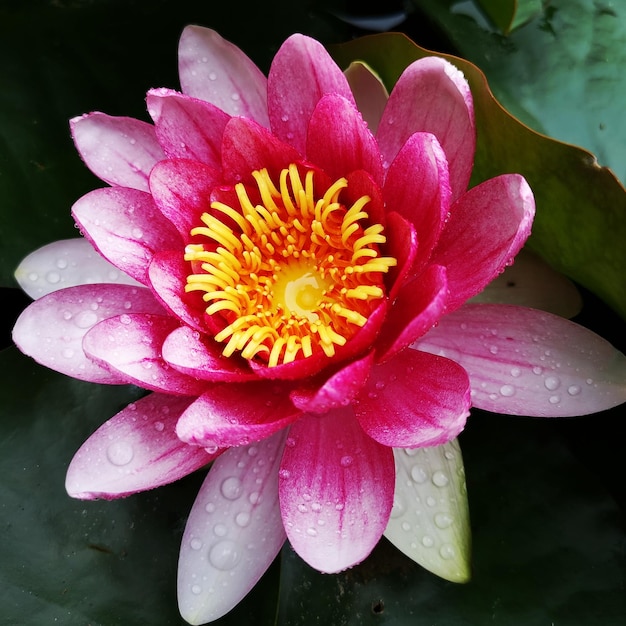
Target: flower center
287	270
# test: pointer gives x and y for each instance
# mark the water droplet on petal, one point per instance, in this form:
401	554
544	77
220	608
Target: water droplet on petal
231	488
242	519
311	532
53	277
346	461
196	590
443	520
446	551
440	479
551	383
85	319
555	399
507	391
120	453
220	530
573	390
225	555
195	544
418	474
428	541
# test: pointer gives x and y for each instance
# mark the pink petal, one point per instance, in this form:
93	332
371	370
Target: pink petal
199	356
236	414
233	532
135	450
416	399
487	228
215	70
369	92
51	329
182	190
339	390
527	362
301	73
130	345
339	141
119	150
418	306
336	490
402	245
187	128
125	226
63	264
418	188
432	96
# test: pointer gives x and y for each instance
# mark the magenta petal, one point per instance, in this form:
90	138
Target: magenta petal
233	532
51	329
418	307
402	245
336	490
130	345
339	390
187	128
337	122
487	228
527	362
135	450
416	399
119	150
301	73
432	96
125	226
196	355
418	188
236	414
369	92
215	70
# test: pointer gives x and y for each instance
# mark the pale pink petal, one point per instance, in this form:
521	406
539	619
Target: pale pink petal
527	362
232	414
432	96
339	390
186	127
487	228
429	520
130	345
126	227
119	150
418	306
415	399
51	329
199	356
339	141
417	187
369	92
66	263
301	73
233	532
215	70
336	490
531	282
135	450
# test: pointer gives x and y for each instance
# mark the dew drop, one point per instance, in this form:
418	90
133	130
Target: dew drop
406	526
428	541
398	509
507	391
68	353
210	507
212	76
61	264
225	555
440	479
555	399
493	349
573	390
537	370
285	118
53	277
125	319
443	520
231	488
195	544
551	383
446	551
67	315
253	451
291	442
33	276
120	453
254	497
220	530
85	319
196	589
303	508
418	474
159	426
311	532
235	97
284	474
242	519
516	372
430	501
137	233
346	461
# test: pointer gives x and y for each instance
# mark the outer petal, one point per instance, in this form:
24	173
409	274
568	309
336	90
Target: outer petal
236	414
402	245
369	92
527	362
432	96
187	128
416	399
487	228
215	70
130	345
135	450
291	99
119	150
233	532
51	329
126	227
339	141
336	490
430	517
66	263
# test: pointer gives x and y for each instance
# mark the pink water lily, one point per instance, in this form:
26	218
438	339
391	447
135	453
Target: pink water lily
292	292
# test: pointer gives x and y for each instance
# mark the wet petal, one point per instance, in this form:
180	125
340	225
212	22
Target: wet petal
526	362
217	71
415	399
66	263
336	490
119	150
233	532
135	450
51	329
369	92
429	520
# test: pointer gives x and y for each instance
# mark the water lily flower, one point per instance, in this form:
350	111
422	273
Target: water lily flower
290	285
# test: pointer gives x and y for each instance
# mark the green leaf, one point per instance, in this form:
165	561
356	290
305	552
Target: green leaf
508	15
580	224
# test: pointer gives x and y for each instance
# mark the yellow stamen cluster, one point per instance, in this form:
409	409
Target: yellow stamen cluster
291	274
